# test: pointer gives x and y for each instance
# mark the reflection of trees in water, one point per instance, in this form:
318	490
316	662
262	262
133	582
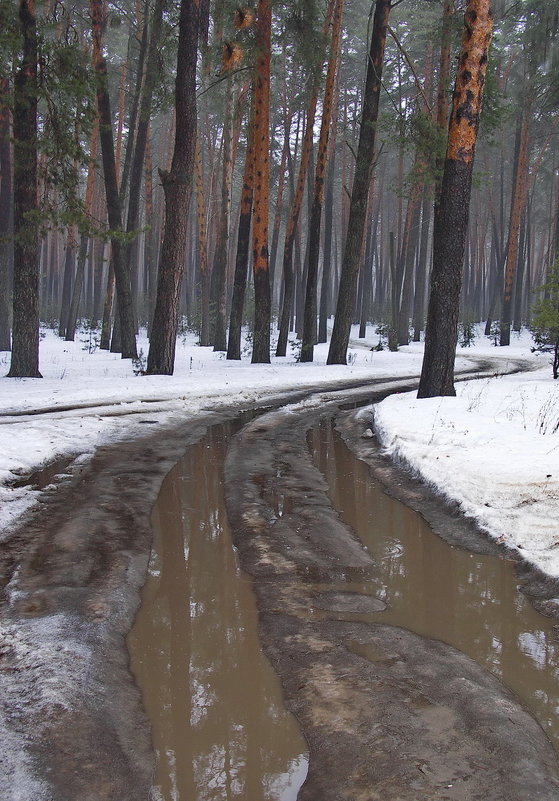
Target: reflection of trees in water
214	701
464	599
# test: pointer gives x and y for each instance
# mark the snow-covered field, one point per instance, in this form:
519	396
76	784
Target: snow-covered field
494	448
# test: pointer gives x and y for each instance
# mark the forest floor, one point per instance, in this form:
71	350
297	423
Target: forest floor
92	511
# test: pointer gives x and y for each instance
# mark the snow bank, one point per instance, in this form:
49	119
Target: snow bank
494	449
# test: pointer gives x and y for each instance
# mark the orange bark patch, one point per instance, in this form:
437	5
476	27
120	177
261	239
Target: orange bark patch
468	89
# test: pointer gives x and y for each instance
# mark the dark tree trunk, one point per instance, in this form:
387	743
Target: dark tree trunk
144	116
407	259
6	217
218	286
419	298
326	286
243	250
202	235
25	344
452	208
134	110
69	267
177	185
309	313
122	278
73	311
361	184
518	204
261	132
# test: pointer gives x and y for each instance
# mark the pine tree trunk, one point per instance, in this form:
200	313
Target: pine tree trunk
177	186
326	286
407	257
361	184
144	116
68	278
243	248
218	290
518	205
25	344
70	329
293	221
310	310
261	132
122	278
452	209
6	217
202	249
419	297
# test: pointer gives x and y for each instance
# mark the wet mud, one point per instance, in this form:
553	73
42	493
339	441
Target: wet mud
388	714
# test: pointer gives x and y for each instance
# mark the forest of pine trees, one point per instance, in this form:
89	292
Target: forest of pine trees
287	166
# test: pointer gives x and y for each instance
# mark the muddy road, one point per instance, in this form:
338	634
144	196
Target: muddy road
386	714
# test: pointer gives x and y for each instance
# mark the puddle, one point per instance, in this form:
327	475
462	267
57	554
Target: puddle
466	600
219	726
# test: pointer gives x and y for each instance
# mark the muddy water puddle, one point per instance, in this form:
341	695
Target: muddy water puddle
469	601
219	726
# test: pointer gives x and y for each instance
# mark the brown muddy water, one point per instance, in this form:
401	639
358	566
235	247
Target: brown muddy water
469	601
219	727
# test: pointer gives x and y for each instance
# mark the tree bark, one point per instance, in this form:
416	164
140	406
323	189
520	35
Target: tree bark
144	117
452	209
6	217
261	132
361	183
177	185
518	205
122	278
309	313
25	344
243	248
218	289
202	248
70	328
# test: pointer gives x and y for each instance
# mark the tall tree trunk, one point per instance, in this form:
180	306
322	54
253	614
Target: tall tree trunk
25	344
70	330
6	217
261	132
407	255
421	284
69	267
122	278
518	205
326	285
218	291
202	249
361	184
293	221
309	314
139	71
144	116
177	185
452	209
243	247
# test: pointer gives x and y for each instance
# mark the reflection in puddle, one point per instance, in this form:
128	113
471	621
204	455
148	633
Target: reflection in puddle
219	726
463	599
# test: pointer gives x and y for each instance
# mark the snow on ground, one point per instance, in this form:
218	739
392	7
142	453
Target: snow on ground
494	448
